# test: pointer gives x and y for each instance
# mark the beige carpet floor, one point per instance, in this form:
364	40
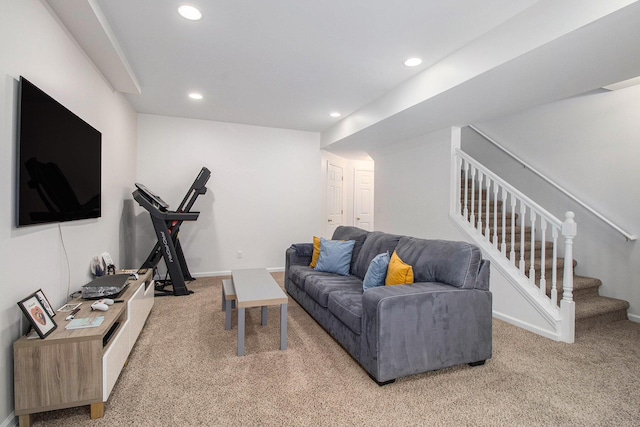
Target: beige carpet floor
184	371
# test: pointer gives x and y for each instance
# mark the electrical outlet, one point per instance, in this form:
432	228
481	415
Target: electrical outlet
239	254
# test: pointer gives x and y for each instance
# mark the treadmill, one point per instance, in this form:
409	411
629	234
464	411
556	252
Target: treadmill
166	224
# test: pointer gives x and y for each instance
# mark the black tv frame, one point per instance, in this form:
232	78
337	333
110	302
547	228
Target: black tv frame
58	161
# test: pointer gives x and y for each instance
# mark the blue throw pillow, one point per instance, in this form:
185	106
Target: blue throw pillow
377	271
335	256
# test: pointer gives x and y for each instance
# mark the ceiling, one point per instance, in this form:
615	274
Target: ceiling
289	63
284	63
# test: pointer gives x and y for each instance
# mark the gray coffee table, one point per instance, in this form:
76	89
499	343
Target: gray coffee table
256	288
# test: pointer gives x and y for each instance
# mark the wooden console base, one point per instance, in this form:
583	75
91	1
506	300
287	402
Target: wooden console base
97	410
25	420
79	367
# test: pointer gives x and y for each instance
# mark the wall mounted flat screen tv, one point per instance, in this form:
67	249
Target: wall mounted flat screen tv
59	161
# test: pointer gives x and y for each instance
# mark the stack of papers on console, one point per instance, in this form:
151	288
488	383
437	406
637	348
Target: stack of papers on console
86	322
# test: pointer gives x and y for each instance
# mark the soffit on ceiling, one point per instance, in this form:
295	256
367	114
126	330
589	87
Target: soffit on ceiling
281	63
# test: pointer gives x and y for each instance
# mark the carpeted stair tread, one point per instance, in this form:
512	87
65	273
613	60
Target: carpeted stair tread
598	310
598	305
583	288
548	264
548	247
581	283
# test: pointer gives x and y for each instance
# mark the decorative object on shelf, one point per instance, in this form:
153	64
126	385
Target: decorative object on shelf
45	302
85	322
39	317
70	307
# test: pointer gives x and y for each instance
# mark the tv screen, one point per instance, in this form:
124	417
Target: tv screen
59	161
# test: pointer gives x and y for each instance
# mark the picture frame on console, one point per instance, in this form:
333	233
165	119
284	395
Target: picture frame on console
38	315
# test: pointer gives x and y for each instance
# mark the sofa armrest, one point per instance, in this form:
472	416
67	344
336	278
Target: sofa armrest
483	280
422	327
295	256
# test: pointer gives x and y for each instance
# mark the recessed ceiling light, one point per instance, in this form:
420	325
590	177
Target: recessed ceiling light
335	114
195	95
189	12
412	62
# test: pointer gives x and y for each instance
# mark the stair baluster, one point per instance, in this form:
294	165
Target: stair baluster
532	262
554	268
503	247
543	236
523	215
479	224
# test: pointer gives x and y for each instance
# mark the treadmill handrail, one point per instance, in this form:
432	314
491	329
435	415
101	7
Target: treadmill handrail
179	216
197	188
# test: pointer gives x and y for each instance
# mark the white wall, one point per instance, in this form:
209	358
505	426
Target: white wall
412	187
32	44
263	194
591	146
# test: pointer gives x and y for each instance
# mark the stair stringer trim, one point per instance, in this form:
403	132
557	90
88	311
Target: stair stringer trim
550	317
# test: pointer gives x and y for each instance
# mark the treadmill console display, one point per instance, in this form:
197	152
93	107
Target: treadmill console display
152	197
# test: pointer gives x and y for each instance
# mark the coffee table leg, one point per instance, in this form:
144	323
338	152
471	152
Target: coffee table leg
241	331
264	315
227	315
283	327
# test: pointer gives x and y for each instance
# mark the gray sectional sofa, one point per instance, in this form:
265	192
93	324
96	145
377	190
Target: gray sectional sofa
441	320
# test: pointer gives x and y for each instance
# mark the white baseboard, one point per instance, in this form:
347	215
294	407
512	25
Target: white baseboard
634	318
10	421
527	326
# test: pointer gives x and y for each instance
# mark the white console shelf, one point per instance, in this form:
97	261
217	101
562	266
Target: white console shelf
80	367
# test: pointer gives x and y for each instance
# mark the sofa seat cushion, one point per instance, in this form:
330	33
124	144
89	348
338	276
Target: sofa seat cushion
346	305
318	286
299	273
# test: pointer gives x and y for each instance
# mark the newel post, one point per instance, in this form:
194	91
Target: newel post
567	305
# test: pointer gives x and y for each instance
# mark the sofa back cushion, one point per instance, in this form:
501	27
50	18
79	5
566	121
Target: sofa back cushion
376	243
344	232
453	263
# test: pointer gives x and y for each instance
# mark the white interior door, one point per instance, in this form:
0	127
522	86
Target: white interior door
363	199
334	197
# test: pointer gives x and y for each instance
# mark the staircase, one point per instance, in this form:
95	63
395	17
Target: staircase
591	309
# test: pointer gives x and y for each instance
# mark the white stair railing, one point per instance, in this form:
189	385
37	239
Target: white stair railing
630	237
504	220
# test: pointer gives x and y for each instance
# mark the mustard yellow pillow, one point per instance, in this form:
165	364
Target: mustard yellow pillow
316	252
399	273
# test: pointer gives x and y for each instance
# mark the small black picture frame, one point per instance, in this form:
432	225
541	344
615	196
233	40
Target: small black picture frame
37	315
45	303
